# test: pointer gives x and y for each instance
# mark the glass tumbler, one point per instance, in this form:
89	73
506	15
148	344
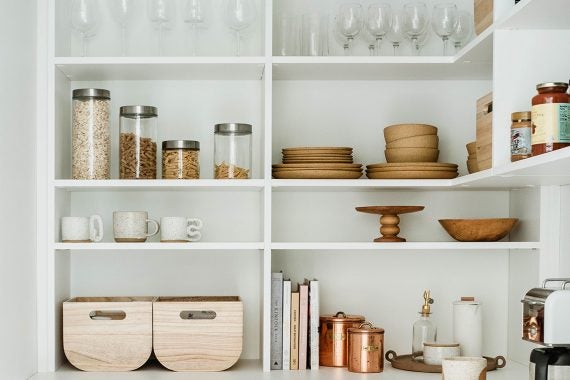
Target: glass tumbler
137	142
314	35
287	35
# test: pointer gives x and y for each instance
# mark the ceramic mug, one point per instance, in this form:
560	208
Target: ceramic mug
81	229
132	226
464	368
179	229
435	352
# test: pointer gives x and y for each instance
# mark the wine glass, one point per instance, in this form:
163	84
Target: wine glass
349	21
378	22
398	30
444	20
161	13
339	37
423	40
195	15
84	15
416	20
463	29
238	15
122	11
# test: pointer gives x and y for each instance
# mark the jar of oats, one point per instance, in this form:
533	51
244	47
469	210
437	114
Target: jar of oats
90	135
137	142
180	159
232	151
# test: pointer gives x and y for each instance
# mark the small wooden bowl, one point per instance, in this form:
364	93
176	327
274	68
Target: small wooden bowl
472	147
401	131
411	155
427	141
478	229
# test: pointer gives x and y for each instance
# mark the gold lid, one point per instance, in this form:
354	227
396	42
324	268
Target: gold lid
551	84
426	308
522	115
366	328
342	317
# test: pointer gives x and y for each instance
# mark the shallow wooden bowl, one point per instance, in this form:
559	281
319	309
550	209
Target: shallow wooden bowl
411	155
401	131
427	141
478	229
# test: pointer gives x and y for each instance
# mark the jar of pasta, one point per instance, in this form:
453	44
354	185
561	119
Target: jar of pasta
137	142
232	151
180	159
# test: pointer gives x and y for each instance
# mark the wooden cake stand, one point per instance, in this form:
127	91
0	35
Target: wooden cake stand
389	220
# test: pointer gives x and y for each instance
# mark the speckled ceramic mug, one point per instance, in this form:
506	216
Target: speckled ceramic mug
435	352
81	229
132	226
179	229
464	368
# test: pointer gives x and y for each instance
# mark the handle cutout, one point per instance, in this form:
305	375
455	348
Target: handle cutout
197	314
107	315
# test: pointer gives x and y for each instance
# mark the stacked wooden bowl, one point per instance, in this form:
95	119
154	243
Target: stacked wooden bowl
317	163
472	166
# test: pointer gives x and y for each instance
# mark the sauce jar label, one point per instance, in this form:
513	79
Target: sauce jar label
521	141
550	123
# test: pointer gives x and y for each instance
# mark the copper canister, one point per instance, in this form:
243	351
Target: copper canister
366	349
333	341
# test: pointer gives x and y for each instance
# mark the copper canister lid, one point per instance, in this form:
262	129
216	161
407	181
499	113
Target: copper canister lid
366	328
342	317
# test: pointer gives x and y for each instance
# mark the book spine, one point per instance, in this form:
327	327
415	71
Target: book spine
295	330
276	320
314	324
303	325
286	325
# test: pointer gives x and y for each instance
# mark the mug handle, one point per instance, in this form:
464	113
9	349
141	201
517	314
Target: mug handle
95	228
156	226
193	229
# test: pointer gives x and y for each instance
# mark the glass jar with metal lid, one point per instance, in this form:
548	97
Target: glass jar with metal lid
90	134
550	118
232	151
180	159
521	131
333	342
137	142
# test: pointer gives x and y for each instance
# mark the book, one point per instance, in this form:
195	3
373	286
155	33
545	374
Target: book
276	345
313	324
303	324
286	325
295	330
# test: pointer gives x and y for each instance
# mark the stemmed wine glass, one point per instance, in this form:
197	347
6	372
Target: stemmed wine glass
339	37
238	15
161	13
349	22
463	29
416	20
194	14
398	30
444	20
84	15
378	21
122	12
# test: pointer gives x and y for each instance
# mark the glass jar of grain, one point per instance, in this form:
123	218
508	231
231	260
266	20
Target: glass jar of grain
137	142
90	135
180	159
232	151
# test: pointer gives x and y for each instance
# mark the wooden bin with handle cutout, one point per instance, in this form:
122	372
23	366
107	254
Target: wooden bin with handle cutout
198	333
107	333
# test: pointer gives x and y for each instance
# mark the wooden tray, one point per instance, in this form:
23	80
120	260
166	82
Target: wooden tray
407	363
317	174
425	174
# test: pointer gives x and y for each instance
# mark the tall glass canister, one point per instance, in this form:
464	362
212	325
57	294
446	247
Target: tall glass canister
232	151
90	135
137	142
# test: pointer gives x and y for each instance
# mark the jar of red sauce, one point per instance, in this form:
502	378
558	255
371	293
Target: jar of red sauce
550	118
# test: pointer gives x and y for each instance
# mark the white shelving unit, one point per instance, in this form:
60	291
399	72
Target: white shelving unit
308	228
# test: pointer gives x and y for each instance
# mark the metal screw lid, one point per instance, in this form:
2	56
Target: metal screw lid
97	93
233	128
181	144
551	84
139	111
523	115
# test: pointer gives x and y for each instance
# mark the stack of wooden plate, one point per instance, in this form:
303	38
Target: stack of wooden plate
412	170
317	163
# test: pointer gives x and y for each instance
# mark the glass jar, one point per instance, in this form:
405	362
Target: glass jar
137	143
550	118
180	159
521	131
232	151
90	134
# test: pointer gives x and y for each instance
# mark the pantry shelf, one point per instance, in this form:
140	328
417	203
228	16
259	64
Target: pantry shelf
159	184
77	247
408	246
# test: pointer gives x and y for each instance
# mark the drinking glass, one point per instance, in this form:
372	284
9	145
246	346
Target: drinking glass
423	40
349	20
84	15
417	20
239	15
122	11
287	35
161	13
378	21
463	29
195	15
314	35
398	30
444	20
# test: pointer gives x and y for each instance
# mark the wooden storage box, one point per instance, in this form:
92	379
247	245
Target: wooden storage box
198	333
107	333
485	132
483	15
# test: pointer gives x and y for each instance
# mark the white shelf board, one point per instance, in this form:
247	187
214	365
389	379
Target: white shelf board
195	246
362	184
159	184
160	68
538	14
407	246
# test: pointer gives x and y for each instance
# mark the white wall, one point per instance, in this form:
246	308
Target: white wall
17	189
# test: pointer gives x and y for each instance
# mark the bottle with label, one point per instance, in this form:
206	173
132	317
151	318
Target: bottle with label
521	131
424	328
550	118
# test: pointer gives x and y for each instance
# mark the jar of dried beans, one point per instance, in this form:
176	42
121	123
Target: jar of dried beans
91	143
232	151
180	159
137	142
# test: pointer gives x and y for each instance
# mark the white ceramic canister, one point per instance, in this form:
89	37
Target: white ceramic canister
468	326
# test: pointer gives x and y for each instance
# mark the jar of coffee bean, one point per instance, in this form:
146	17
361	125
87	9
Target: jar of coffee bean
137	142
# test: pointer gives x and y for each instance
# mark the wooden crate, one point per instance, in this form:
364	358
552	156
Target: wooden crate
485	132
198	333
107	333
483	15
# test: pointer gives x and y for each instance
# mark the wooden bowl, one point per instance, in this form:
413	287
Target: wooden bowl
427	141
478	229
402	131
472	147
411	155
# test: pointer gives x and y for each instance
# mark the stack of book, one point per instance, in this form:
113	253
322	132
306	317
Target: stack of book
294	324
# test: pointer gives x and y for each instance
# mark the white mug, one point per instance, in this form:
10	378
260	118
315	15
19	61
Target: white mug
179	229
464	368
81	229
435	352
132	226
